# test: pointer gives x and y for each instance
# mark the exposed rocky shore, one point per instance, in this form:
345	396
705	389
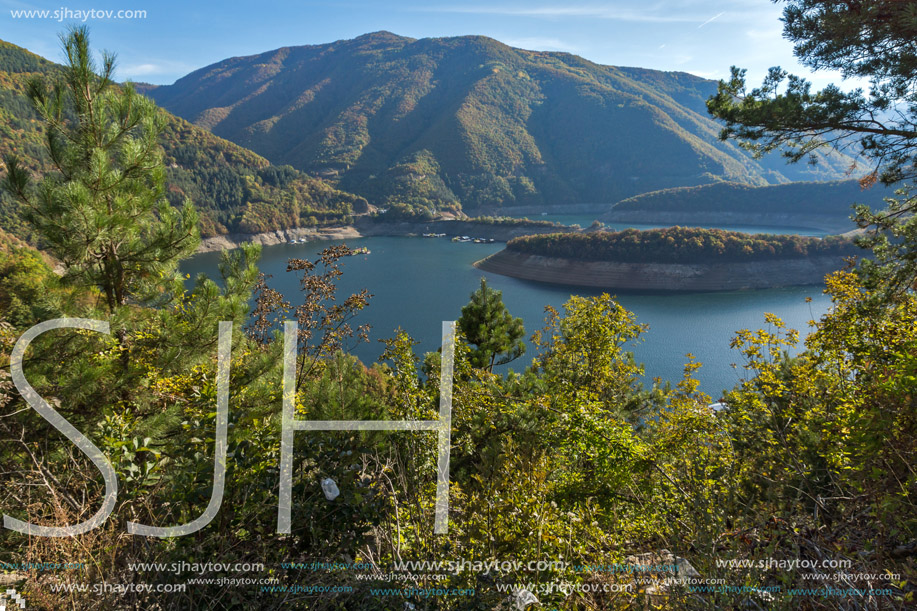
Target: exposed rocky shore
365	227
499	232
280	236
832	224
662	276
535	211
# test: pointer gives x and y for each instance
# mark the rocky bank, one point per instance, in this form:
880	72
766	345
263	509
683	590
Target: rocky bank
831	224
662	276
366	227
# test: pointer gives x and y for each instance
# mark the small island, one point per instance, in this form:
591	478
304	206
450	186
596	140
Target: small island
671	259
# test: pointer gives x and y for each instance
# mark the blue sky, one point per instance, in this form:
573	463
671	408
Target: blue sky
703	37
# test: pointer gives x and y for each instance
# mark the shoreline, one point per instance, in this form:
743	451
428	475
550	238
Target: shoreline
662	277
362	229
819	222
503	232
281	236
597	209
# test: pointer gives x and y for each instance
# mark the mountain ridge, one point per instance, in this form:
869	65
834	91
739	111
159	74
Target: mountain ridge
233	188
827	206
443	122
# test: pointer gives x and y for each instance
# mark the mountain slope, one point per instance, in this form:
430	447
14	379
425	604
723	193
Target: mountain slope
233	188
824	205
470	120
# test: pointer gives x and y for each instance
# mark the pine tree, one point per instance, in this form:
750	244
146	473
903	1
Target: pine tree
102	211
867	39
488	325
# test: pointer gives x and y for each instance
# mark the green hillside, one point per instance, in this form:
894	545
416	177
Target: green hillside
680	245
441	121
828	198
233	188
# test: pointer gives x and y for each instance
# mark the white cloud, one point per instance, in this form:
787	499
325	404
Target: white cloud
151	68
711	74
633	11
615	14
536	43
763	35
714	18
144	69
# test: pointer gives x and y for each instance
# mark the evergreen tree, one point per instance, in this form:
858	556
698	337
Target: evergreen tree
867	39
102	212
488	325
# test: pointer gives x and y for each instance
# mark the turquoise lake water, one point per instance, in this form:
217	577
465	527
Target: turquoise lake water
584	220
418	283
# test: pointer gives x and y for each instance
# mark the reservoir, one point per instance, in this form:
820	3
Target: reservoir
419	282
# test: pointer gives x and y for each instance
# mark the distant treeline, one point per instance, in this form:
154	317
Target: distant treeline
233	189
510	221
468	120
679	245
834	198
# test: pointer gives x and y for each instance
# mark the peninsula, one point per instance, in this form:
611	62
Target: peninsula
671	259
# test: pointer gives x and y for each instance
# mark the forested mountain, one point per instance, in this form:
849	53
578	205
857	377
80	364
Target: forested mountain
440	121
157	470
824	205
233	188
831	198
680	245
